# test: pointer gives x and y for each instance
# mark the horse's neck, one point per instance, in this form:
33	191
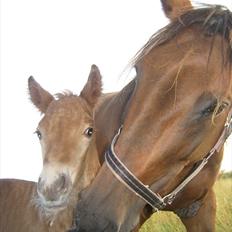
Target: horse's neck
109	116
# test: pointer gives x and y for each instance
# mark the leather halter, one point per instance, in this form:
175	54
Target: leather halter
123	174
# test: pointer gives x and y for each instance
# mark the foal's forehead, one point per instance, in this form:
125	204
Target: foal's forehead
72	107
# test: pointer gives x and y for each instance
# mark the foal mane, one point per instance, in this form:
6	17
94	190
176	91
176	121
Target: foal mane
214	20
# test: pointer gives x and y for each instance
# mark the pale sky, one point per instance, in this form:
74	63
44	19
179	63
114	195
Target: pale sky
56	41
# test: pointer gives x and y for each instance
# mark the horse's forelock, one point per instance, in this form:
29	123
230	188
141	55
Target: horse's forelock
213	19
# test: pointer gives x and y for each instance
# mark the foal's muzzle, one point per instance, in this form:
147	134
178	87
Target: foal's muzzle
54	191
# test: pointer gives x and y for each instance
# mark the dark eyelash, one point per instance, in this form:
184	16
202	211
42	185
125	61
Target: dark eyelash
38	133
214	108
222	107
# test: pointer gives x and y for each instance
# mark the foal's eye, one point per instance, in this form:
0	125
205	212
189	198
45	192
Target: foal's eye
89	132
38	134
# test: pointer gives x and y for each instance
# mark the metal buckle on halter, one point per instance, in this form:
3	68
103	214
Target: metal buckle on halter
168	199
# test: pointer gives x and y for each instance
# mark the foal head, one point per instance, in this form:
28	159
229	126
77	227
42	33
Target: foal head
67	138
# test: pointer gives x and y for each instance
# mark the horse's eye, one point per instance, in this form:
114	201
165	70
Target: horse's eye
89	132
209	110
38	134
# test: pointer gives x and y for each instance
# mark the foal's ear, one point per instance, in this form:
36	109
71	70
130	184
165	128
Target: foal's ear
39	96
92	89
175	8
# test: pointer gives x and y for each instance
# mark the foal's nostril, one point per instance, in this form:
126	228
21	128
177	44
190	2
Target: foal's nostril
62	184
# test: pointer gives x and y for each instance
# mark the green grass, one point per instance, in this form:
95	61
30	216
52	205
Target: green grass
169	222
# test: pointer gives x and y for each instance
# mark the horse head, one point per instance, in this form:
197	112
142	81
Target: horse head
176	115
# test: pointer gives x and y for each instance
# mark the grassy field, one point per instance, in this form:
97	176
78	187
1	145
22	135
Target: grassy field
169	222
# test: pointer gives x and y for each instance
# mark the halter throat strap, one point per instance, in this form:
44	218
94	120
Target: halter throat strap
124	175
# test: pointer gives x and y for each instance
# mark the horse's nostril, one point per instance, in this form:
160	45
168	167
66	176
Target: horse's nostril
72	230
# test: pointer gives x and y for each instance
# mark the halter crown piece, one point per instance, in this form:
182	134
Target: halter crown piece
123	174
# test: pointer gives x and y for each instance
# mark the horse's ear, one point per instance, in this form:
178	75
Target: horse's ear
92	89
39	96
175	8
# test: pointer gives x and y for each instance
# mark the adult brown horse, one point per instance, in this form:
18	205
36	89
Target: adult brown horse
173	113
70	161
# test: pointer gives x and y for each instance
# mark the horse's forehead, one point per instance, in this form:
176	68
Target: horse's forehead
189	60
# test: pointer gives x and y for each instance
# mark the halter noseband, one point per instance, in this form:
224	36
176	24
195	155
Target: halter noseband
123	174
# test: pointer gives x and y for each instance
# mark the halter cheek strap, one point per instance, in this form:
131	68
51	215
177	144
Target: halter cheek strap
123	174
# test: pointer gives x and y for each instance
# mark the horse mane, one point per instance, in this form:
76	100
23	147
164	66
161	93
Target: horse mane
214	20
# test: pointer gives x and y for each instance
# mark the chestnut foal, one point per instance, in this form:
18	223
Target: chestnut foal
70	161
